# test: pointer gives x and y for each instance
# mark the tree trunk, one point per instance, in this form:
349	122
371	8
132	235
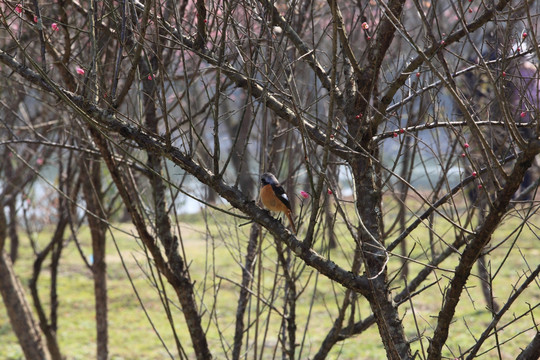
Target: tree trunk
11	203
12	227
91	186
181	281
19	312
48	325
368	204
532	350
243	298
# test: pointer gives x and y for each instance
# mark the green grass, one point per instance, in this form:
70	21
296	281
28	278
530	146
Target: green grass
214	253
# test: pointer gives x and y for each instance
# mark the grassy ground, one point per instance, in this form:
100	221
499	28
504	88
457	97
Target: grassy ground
214	265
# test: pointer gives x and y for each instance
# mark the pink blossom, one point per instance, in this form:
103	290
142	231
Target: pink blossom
18	8
151	77
474	173
35	19
463	155
401	131
304	194
523	114
524	35
54	26
39	161
80	71
466	145
395	134
365	25
329	191
417	74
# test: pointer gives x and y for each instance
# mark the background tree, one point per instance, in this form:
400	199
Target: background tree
359	105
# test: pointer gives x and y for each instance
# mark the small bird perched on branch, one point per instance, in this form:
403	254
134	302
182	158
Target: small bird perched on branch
274	198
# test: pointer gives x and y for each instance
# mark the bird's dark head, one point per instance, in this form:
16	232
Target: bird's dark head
269	178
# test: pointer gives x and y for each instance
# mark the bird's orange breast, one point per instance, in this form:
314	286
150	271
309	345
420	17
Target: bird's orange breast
270	200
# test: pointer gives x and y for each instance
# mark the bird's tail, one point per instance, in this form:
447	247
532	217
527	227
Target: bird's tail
291	221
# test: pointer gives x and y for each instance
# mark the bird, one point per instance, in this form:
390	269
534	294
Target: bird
274	198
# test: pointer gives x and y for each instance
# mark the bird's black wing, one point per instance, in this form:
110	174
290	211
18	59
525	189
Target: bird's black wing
280	193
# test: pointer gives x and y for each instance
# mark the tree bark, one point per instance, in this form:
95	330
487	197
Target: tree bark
19	312
532	350
243	298
48	325
11	204
174	268
91	186
368	202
